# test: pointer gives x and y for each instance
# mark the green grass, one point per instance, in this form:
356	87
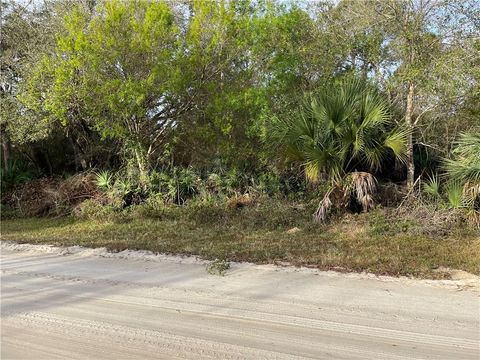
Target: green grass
365	242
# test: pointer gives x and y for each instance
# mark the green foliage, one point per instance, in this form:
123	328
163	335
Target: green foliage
218	267
93	210
181	101
122	186
454	192
27	33
111	71
8	212
432	186
15	173
118	190
340	129
463	172
177	185
104	180
464	166
337	131
267	183
379	224
154	207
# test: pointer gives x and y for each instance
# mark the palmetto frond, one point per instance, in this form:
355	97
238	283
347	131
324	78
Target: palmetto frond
374	155
454	192
339	127
432	186
342	126
463	170
465	164
362	185
104	179
396	141
323	208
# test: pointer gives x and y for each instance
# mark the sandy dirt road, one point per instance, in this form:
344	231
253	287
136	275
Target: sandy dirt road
65	304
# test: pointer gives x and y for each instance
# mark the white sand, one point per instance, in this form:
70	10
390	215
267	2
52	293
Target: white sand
79	303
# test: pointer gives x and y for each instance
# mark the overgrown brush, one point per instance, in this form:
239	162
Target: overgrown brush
77	188
34	198
458	188
93	210
14	174
463	172
52	196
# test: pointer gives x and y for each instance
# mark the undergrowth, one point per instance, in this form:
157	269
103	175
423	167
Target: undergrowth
384	241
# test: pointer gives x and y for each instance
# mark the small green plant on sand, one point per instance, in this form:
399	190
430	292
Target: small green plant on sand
218	267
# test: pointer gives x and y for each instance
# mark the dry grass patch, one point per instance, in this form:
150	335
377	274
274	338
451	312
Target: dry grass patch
373	242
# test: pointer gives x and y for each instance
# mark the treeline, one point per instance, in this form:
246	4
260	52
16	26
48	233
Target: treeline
251	87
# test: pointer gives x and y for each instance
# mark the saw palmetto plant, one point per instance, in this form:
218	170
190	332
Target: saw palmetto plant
337	131
464	166
463	169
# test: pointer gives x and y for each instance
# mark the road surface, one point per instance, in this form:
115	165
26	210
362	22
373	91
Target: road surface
76	304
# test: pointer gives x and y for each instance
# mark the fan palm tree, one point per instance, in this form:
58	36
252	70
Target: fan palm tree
338	130
464	169
465	165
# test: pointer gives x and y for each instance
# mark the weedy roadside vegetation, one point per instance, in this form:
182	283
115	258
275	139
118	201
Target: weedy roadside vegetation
245	131
218	267
415	236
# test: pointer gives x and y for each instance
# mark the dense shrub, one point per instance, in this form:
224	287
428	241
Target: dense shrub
153	208
212	200
14	174
93	210
176	185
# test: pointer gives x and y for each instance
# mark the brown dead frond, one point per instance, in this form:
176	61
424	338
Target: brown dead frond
240	200
324	207
471	193
362	186
473	217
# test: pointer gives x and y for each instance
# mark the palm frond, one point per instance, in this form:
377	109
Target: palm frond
362	185
396	141
471	194
375	111
465	165
374	156
104	179
454	192
338	128
312	171
323	208
462	170
432	186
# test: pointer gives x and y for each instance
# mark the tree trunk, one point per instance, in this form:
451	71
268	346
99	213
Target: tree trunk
409	122
75	153
141	168
6	147
80	160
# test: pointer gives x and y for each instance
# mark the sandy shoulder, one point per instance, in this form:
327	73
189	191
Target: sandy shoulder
459	279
